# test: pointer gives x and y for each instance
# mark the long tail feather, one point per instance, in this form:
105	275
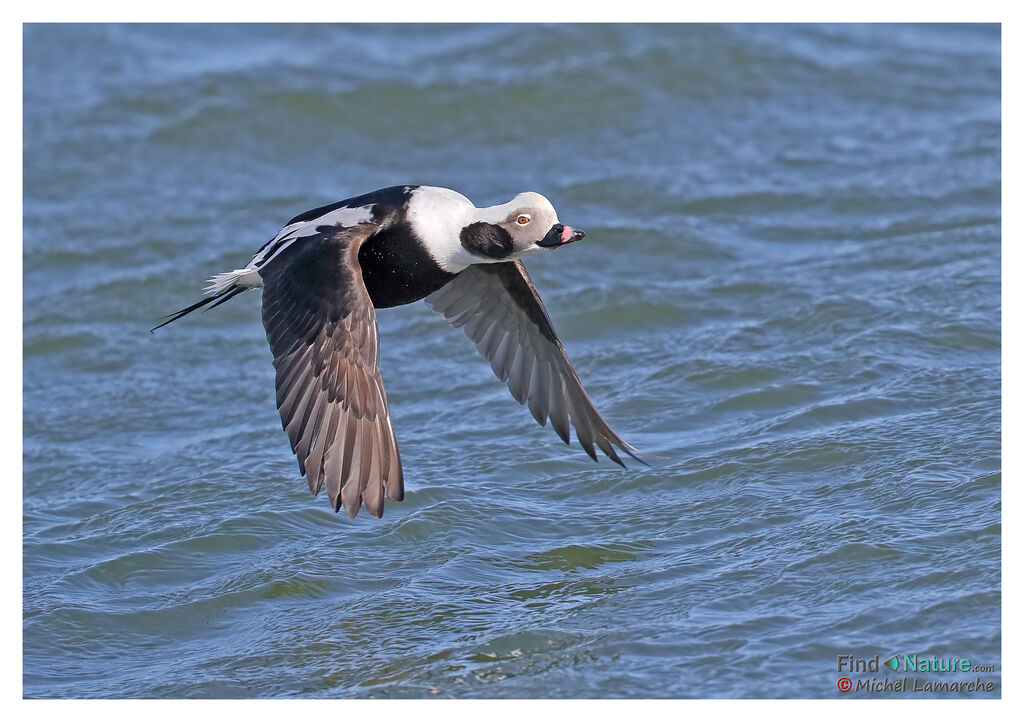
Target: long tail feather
228	296
215	300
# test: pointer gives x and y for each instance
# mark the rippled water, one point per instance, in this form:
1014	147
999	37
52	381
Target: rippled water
789	286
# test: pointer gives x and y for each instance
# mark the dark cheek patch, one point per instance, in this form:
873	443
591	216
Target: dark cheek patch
486	239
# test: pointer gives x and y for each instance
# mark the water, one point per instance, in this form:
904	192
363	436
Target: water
789	286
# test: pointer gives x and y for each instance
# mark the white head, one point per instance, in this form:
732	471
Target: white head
524	226
458	234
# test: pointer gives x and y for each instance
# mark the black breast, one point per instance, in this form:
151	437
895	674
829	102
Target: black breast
397	270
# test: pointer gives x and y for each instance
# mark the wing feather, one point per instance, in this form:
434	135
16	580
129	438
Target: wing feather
322	331
498	307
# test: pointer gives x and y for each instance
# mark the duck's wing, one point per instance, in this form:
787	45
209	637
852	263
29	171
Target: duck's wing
498	307
323	333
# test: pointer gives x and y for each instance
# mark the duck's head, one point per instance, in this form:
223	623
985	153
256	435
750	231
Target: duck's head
526	225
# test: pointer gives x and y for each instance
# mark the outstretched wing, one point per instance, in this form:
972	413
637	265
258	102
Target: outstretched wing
499	309
323	333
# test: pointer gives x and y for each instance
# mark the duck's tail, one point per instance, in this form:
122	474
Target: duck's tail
223	287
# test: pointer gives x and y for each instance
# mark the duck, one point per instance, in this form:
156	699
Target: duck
328	271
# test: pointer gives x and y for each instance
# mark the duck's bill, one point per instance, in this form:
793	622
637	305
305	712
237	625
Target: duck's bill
559	235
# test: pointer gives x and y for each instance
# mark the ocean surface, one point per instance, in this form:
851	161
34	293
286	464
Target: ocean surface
789	287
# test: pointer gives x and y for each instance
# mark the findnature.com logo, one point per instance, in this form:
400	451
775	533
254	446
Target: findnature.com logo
911	664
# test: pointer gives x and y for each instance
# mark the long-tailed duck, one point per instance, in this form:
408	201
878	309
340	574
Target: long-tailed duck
327	271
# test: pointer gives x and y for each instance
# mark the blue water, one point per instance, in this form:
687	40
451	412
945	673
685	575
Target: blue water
789	287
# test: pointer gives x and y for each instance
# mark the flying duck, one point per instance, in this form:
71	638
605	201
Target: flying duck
328	270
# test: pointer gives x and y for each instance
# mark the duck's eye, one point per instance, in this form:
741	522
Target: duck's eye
523	219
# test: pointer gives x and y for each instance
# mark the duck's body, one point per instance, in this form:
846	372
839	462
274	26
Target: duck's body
329	268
